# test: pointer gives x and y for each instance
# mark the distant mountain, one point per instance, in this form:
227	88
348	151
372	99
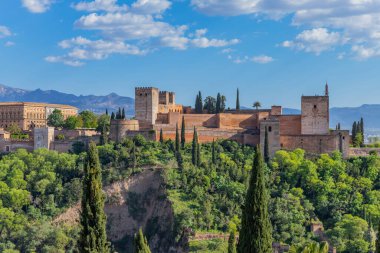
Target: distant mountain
97	104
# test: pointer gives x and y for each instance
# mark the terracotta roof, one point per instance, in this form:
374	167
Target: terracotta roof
36	104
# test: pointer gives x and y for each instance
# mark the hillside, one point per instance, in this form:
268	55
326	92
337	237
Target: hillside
97	104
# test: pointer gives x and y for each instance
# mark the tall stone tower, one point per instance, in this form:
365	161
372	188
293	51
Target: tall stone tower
146	105
315	116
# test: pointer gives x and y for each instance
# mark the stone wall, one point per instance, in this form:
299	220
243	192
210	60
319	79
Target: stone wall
315	115
353	152
273	128
12	145
290	124
245	121
118	128
146	104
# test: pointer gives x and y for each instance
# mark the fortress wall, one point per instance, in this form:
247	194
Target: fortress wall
246	121
315	114
200	120
315	144
162	118
290	124
169	108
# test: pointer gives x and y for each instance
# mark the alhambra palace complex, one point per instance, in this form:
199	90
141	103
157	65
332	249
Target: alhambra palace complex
157	110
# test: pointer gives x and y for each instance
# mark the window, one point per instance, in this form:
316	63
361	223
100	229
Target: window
315	106
269	129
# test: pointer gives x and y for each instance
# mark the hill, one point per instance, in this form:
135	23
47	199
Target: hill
97	104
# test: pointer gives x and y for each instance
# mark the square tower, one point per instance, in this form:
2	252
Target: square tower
315	115
146	104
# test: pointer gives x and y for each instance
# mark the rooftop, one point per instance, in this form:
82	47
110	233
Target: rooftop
36	104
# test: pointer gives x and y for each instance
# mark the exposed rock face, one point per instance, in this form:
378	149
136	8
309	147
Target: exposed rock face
140	201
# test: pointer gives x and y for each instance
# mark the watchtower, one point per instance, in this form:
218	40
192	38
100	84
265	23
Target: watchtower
146	104
315	116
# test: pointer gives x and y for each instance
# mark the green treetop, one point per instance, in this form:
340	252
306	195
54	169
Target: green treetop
56	119
183	132
141	243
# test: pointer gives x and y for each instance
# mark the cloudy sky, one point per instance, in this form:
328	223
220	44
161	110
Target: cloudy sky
272	50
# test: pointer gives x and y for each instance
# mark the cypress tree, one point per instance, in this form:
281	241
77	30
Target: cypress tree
103	136
194	147
256	232
362	127
196	104
118	115
200	103
176	138
183	133
133	156
237	100
161	136
213	155
198	153
179	159
218	103
112	115
232	243
354	133
123	114
93	237
266	146
106	111
141	243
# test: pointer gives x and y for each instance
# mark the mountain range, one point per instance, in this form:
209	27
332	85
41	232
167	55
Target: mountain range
98	104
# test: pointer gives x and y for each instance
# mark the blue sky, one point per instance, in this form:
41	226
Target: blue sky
272	50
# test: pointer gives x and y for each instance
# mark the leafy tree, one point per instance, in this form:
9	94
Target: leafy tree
183	133
177	141
141	243
257	105
213	154
312	248
133	157
103	123
56	119
237	100
256	232
89	119
73	122
378	239
93	237
210	104
199	156
266	146
14	129
232	242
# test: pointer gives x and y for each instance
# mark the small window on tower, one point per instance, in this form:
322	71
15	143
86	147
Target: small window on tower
315	106
270	129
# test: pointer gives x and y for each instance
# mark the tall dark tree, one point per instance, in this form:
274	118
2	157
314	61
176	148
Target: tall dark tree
196	107
199	157
93	237
353	132
362	128
179	159
161	136
266	146
112	115
218	103
104	135
232	242
141	243
106	111
119	113
123	113
183	132
213	155
199	103
223	100
177	141
256	233
237	100
194	148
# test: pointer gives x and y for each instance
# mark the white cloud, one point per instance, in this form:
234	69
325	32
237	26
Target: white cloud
262	59
203	42
37	6
358	20
4	32
64	60
9	44
316	40
150	6
100	5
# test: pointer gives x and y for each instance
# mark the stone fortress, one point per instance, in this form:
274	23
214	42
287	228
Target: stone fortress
157	110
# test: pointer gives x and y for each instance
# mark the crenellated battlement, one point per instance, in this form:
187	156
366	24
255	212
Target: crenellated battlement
145	89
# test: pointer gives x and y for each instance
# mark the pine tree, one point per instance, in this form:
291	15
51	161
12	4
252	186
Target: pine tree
237	100
141	243
112	115
266	146
218	103
213	155
183	132
93	237
232	243
161	136
176	138
256	232
123	114
194	153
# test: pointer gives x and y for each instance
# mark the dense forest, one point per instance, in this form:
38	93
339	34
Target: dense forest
206	184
